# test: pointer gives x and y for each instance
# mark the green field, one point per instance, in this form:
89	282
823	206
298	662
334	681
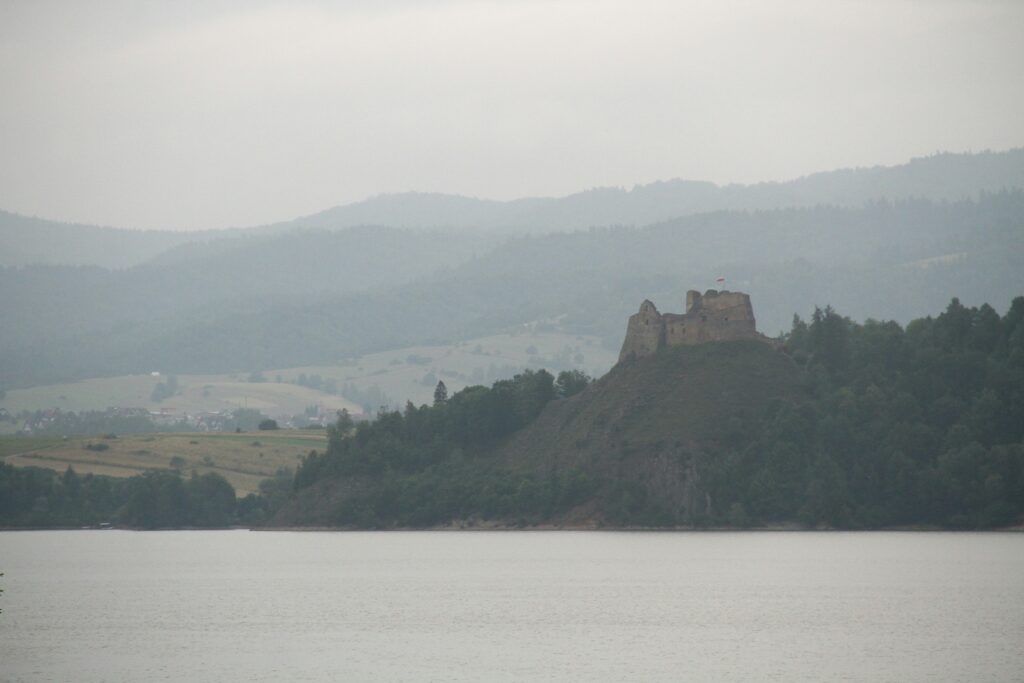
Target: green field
397	376
243	459
196	394
411	374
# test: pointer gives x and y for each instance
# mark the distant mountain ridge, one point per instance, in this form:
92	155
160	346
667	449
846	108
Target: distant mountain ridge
27	240
250	299
318	296
945	176
942	177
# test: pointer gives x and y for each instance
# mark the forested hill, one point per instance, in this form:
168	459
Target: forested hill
28	240
847	425
318	296
72	321
843	426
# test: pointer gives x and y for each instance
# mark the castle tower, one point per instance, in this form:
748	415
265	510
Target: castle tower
712	316
645	332
692	300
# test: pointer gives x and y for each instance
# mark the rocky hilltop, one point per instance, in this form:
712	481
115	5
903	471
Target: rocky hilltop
712	316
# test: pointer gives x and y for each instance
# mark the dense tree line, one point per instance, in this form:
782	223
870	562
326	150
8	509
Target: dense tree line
60	423
429	464
923	425
893	427
37	498
471	419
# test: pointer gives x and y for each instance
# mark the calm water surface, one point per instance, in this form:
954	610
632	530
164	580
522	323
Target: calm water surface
471	606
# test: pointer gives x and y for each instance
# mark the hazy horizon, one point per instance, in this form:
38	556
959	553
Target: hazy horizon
579	191
162	115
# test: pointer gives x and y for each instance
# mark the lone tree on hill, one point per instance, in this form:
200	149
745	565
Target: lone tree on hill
571	382
440	394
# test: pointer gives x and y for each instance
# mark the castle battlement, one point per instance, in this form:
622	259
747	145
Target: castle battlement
712	316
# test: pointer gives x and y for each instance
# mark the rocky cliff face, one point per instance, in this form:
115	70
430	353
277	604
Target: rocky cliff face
712	316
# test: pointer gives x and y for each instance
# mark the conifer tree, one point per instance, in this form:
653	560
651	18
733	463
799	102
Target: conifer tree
440	394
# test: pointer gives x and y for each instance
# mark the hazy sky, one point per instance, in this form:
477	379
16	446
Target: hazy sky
207	114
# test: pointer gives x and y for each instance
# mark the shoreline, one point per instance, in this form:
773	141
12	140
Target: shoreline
787	528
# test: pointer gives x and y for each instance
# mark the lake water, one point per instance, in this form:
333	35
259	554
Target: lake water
477	606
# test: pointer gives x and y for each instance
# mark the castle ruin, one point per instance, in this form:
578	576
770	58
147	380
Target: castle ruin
712	316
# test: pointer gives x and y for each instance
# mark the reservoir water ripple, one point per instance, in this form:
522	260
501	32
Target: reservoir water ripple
511	606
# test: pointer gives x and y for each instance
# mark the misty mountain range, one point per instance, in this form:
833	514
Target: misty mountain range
895	243
944	176
27	240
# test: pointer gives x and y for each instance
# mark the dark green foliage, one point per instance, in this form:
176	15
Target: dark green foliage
32	497
471	419
440	394
161	499
158	499
345	424
922	426
111	421
155	500
164	390
210	500
255	510
849	425
430	464
571	382
267	424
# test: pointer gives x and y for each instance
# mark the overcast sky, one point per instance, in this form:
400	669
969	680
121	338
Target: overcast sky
208	114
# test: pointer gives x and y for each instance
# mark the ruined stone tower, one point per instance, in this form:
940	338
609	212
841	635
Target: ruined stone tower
713	316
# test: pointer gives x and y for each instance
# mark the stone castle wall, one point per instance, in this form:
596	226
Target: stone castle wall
712	316
645	332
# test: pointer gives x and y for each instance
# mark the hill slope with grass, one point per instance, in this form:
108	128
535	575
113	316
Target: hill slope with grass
645	429
623	451
841	426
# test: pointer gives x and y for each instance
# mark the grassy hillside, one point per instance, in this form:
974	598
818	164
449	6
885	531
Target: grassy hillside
412	373
624	451
678	401
196	394
647	424
360	384
243	459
